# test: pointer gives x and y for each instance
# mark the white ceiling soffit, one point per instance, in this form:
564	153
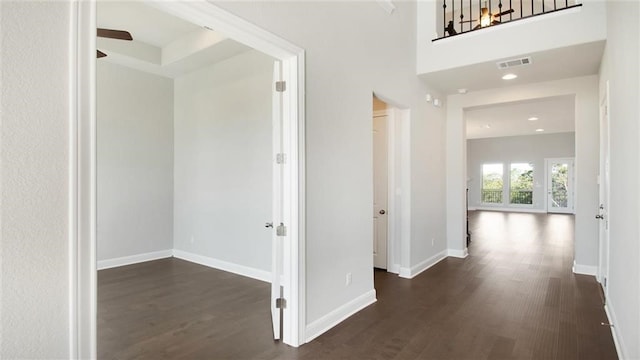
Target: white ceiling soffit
162	43
561	63
555	115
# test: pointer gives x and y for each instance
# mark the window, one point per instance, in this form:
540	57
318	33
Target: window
521	184
492	183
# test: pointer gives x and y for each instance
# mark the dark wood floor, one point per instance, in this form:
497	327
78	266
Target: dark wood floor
514	297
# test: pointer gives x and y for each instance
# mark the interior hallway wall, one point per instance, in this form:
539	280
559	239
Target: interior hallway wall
620	68
351	50
135	162
223	163
34	168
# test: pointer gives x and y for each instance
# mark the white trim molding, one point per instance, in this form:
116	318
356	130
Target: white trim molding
340	314
617	340
584	269
422	266
458	253
247	271
134	259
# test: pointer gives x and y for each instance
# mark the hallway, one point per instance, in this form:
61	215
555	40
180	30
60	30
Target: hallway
514	297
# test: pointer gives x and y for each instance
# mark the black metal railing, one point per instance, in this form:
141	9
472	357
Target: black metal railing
521	197
461	16
492	196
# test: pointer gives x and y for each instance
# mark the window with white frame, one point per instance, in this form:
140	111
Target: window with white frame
521	184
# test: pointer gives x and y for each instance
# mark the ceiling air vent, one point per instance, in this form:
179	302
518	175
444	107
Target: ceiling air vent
514	62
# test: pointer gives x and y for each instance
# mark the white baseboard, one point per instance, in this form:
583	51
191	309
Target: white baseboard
509	209
223	265
422	266
458	253
338	315
472	208
618	342
584	269
133	259
395	269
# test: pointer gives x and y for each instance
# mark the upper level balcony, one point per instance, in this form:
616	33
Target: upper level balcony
460	42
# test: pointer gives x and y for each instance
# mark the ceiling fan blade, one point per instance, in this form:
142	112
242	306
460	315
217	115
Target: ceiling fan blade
114	34
504	12
101	54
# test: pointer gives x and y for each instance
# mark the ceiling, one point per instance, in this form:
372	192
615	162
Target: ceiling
169	46
555	64
162	43
555	115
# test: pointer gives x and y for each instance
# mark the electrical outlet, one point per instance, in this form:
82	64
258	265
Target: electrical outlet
347	281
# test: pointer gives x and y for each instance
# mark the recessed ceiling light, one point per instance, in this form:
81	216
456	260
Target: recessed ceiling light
462	91
487	126
539	130
509	77
533	118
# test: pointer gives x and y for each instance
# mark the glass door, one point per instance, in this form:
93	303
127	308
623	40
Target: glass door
560	185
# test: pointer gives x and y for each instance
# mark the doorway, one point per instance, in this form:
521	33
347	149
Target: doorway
391	172
559	183
290	227
380	183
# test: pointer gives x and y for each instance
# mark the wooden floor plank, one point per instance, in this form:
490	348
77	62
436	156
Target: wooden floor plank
514	297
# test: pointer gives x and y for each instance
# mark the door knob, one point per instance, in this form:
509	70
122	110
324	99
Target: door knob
600	217
382	212
268	225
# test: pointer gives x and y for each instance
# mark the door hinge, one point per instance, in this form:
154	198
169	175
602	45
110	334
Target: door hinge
281	230
281	86
281	303
281	158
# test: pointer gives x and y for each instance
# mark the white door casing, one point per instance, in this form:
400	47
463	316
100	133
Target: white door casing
560	201
82	180
380	190
277	204
604	191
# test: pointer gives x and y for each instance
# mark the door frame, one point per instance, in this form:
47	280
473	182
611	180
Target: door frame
604	191
82	173
398	187
572	194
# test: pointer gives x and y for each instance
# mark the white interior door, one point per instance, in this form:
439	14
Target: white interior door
603	211
380	189
560	180
277	250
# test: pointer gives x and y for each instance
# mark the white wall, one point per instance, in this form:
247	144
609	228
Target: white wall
541	33
354	49
585	90
620	68
135	162
223	161
512	149
34	144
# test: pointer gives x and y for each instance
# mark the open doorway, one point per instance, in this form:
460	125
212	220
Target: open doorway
287	159
391	173
381	119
